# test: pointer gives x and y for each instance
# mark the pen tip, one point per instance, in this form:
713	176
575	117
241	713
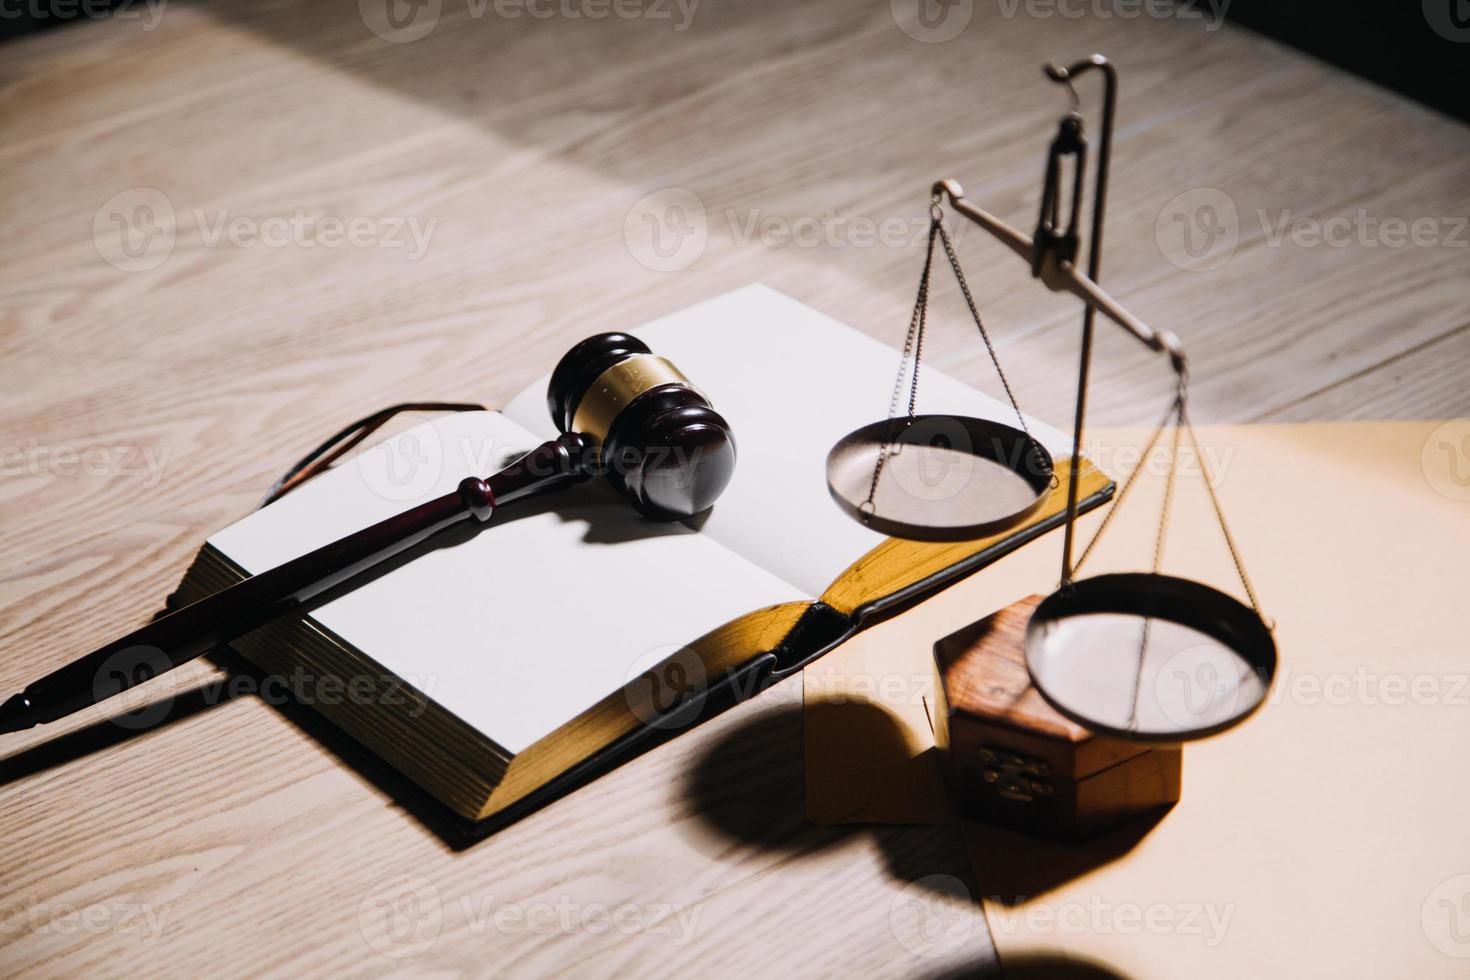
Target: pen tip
16	714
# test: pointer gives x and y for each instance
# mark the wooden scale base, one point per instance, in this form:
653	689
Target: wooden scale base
1011	759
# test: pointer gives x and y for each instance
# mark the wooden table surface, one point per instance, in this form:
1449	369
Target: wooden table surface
230	226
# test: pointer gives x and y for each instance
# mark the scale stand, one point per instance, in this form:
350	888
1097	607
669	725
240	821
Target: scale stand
1140	656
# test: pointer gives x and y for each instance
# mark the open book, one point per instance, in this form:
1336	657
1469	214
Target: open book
496	665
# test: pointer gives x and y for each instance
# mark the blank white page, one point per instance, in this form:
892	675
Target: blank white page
526	624
791	382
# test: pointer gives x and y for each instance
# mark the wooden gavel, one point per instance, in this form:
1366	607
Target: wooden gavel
623	411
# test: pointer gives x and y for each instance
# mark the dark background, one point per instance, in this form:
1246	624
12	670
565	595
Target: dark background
1400	44
1420	48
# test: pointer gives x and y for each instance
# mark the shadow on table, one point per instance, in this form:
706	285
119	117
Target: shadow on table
1018	868
750	786
1039	966
100	735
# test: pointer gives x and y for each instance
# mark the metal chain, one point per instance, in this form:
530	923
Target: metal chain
1169	481
1175	409
913	344
1179	412
1123	493
1220	514
913	347
954	263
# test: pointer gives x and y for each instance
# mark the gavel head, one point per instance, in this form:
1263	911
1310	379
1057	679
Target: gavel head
658	439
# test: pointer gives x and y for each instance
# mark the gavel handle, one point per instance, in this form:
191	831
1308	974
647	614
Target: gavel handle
211	622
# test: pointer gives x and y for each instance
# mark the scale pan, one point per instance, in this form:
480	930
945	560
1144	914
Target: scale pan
946	477
1149	658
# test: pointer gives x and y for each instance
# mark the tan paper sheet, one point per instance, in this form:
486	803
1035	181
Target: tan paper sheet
1330	834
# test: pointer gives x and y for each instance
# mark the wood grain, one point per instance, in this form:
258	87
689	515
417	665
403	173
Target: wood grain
142	410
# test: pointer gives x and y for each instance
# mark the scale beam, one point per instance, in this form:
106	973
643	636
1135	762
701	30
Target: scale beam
1059	275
